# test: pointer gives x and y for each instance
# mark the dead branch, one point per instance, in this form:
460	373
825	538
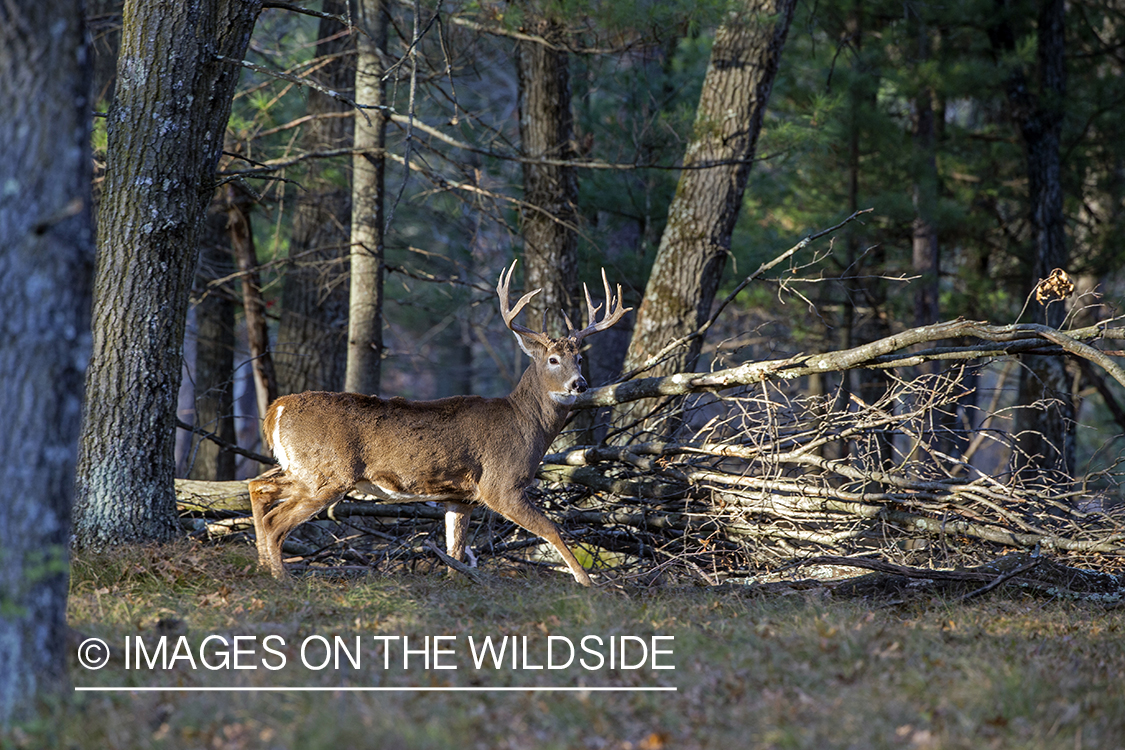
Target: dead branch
227	446
457	565
1012	339
1032	573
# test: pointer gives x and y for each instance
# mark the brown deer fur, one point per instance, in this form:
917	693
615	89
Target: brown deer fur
459	450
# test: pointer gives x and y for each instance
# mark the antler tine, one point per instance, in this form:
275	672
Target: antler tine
509	314
613	310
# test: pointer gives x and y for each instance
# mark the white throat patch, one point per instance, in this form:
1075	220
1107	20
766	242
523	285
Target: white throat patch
563	398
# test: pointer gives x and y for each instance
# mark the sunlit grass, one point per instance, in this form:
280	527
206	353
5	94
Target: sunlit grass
797	670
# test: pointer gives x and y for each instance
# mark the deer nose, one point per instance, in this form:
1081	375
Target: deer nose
579	385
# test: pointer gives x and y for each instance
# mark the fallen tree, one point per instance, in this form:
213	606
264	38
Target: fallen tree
760	474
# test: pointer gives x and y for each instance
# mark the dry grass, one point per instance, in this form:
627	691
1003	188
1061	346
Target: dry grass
752	672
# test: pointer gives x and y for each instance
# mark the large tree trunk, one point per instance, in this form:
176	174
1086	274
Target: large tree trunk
46	268
365	305
172	101
1045	424
549	190
696	241
311	349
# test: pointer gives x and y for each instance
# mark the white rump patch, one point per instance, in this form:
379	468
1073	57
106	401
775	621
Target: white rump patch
279	451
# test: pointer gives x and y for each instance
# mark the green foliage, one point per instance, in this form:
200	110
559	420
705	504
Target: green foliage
637	112
653	19
842	107
853	72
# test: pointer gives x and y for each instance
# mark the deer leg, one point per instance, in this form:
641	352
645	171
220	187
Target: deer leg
282	518
457	517
266	491
523	513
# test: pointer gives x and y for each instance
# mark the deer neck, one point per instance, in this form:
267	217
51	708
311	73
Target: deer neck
532	400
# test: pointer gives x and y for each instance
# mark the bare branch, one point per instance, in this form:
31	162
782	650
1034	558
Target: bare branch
224	444
1012	339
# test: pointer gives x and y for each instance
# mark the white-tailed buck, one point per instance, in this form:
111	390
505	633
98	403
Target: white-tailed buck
459	450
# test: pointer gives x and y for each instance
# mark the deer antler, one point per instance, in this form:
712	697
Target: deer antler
509	314
613	312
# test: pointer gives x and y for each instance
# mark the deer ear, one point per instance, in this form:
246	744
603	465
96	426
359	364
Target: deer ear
530	346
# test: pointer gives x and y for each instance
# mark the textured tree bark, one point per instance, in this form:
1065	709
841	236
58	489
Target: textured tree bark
696	241
172	101
311	349
550	190
46	271
214	354
548	222
365	305
1046	423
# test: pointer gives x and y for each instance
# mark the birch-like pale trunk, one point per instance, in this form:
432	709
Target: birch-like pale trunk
365	305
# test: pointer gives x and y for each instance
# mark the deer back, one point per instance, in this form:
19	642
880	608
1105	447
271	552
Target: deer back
441	449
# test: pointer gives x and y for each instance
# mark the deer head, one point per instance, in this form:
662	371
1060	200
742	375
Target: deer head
557	362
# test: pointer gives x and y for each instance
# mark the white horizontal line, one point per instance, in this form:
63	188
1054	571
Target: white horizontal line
362	689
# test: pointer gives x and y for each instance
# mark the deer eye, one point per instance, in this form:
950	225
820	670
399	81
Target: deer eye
552	360
578	358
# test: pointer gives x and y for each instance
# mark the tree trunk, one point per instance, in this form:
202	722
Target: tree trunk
550	190
311	349
172	101
1045	424
46	269
548	221
365	305
696	241
214	354
253	305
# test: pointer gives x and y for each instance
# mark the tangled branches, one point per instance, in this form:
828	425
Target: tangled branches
759	473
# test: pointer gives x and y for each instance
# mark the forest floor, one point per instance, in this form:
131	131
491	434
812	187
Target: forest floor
797	668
